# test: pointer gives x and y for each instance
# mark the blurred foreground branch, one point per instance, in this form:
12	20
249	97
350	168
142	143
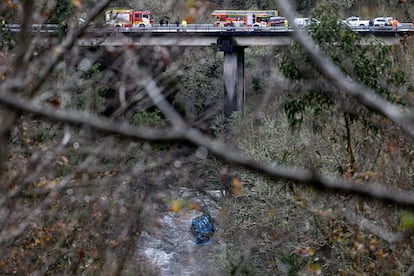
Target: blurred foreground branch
180	131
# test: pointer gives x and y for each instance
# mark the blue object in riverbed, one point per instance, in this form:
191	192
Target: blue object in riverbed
202	229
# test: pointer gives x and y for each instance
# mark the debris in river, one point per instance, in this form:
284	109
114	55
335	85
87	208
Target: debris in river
202	228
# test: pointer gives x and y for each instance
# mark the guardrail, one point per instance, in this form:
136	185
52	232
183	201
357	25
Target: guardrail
211	28
41	28
171	28
401	26
194	28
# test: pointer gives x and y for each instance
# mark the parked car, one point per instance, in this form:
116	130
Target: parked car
383	21
276	21
305	21
354	21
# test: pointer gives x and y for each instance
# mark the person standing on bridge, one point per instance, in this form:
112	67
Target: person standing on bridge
394	24
286	24
177	23
184	24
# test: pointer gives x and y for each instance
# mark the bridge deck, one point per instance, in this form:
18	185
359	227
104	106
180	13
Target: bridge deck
202	37
205	35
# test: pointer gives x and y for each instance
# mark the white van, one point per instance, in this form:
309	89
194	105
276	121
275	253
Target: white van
305	21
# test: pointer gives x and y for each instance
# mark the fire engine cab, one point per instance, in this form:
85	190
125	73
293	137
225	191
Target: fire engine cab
128	19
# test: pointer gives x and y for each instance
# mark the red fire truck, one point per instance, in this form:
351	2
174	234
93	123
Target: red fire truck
128	19
242	18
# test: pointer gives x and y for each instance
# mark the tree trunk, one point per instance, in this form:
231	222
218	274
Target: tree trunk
7	118
352	167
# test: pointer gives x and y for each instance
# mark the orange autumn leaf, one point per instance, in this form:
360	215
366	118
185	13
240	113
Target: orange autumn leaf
237	188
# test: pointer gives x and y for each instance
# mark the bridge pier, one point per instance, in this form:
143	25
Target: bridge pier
233	76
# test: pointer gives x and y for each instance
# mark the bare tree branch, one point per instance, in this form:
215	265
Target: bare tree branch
87	119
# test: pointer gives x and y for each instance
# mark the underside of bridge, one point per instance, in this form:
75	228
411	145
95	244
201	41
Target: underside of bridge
233	76
232	46
231	43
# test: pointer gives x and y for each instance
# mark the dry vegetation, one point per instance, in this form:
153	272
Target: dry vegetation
279	226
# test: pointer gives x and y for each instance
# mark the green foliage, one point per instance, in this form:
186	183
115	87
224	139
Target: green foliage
145	118
78	101
376	62
292	260
201	82
313	101
103	92
289	68
373	64
294	110
122	4
240	268
257	85
7	40
91	72
61	13
43	132
407	220
305	5
91	97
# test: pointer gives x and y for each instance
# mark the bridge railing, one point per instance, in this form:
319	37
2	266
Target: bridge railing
41	28
194	28
157	28
401	26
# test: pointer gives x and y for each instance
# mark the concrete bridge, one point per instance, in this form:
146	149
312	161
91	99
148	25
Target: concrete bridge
231	41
